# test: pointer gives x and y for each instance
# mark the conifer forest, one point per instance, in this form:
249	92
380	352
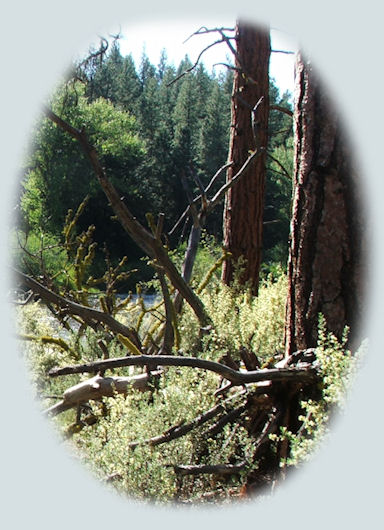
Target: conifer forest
189	269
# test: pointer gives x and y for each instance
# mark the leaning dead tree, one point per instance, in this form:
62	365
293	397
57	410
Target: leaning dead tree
151	243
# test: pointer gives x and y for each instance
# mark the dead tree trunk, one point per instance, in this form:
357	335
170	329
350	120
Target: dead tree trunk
244	204
324	267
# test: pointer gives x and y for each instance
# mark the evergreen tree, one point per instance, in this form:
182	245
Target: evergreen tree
129	87
146	71
278	185
184	127
149	110
106	79
162	66
214	133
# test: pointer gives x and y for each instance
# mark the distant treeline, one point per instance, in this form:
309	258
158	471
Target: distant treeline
157	139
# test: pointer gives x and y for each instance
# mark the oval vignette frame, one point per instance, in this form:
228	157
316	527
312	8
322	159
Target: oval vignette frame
41	488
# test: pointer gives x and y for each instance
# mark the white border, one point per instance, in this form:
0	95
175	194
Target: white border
41	485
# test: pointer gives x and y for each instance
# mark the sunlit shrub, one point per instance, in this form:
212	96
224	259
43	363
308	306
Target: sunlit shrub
241	320
146	472
337	368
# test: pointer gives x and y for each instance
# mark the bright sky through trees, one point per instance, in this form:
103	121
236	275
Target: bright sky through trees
171	36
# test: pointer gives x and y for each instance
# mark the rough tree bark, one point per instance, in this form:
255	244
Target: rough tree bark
325	263
244	204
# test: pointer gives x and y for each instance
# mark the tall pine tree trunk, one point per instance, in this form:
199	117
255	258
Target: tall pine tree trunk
324	267
244	204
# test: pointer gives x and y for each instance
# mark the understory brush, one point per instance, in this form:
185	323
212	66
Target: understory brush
337	367
116	436
240	320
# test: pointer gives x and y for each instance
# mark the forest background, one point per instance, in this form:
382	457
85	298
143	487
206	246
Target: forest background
363	129
173	124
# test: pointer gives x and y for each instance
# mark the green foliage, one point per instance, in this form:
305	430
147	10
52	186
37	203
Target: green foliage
278	189
242	320
180	395
35	325
337	368
146	471
38	253
150	135
59	176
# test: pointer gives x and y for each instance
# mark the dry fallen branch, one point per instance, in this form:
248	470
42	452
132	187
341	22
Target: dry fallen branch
230	417
214	469
305	374
177	431
98	387
27	298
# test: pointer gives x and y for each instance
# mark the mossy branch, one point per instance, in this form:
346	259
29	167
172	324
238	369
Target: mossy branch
87	314
47	339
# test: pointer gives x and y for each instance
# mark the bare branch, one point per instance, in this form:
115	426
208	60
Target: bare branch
234	179
199	197
285	171
214	469
170	324
29	295
285	110
188	70
222	422
229	66
204	30
287	52
201	31
272	222
236	377
98	387
177	431
216	176
267	430
229	44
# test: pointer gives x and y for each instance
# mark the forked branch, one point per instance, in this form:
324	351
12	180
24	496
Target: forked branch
88	314
142	237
